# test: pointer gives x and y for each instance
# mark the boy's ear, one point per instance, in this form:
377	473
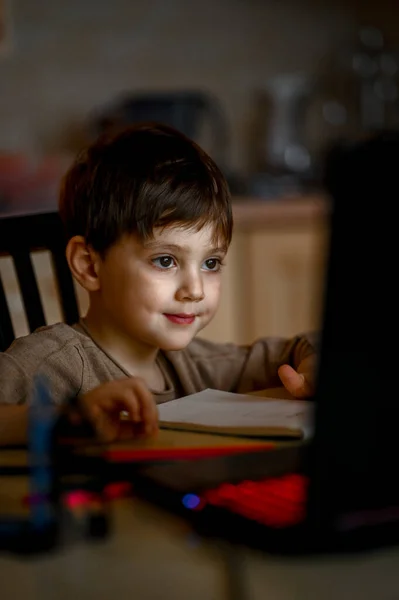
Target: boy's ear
84	263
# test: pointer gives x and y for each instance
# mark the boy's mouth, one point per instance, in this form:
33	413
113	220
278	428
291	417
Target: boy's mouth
181	318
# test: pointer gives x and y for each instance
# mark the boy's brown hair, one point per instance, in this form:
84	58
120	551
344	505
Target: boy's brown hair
145	176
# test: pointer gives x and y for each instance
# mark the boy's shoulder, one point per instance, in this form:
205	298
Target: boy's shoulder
45	341
56	351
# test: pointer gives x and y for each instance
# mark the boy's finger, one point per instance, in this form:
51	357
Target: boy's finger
128	401
103	425
148	408
294	382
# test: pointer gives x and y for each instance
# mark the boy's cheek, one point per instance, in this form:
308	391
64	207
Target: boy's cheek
213	291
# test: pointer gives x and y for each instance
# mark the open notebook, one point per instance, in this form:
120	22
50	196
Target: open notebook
214	411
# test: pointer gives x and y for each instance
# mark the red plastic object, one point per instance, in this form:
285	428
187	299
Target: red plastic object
156	454
275	502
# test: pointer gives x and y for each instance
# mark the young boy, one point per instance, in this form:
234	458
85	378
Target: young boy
148	220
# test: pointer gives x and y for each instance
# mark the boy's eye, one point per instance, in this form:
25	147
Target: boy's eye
212	264
164	262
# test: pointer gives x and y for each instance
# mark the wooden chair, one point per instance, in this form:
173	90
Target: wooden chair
19	236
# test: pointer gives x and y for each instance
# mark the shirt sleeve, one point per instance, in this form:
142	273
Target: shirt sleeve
265	356
241	369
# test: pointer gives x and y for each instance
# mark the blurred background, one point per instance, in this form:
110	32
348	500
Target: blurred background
265	86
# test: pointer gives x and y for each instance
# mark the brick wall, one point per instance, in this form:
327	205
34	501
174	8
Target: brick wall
66	58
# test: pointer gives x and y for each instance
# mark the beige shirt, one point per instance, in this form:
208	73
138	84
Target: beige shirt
73	364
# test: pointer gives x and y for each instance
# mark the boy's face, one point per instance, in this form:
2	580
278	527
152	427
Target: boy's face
162	292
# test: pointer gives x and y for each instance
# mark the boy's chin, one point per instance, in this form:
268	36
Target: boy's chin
176	344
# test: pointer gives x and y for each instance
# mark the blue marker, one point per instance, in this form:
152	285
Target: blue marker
41	421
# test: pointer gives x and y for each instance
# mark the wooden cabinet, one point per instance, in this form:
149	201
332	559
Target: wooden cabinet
273	281
286	276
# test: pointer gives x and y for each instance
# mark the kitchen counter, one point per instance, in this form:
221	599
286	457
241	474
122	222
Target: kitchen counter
255	213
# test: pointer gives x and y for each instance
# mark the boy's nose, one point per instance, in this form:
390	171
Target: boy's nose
191	289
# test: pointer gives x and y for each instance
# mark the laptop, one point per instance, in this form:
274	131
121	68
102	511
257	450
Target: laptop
339	491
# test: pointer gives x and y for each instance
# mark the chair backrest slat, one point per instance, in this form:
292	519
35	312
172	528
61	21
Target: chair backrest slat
29	289
20	235
7	334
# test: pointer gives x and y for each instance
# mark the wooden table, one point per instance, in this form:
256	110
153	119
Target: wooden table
12	489
153	555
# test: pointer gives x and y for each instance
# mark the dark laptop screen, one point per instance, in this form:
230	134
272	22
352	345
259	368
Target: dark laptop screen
354	465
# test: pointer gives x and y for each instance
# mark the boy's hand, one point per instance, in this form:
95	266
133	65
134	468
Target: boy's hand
300	383
103	405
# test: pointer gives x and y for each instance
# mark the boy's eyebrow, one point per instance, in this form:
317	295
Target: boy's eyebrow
153	245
